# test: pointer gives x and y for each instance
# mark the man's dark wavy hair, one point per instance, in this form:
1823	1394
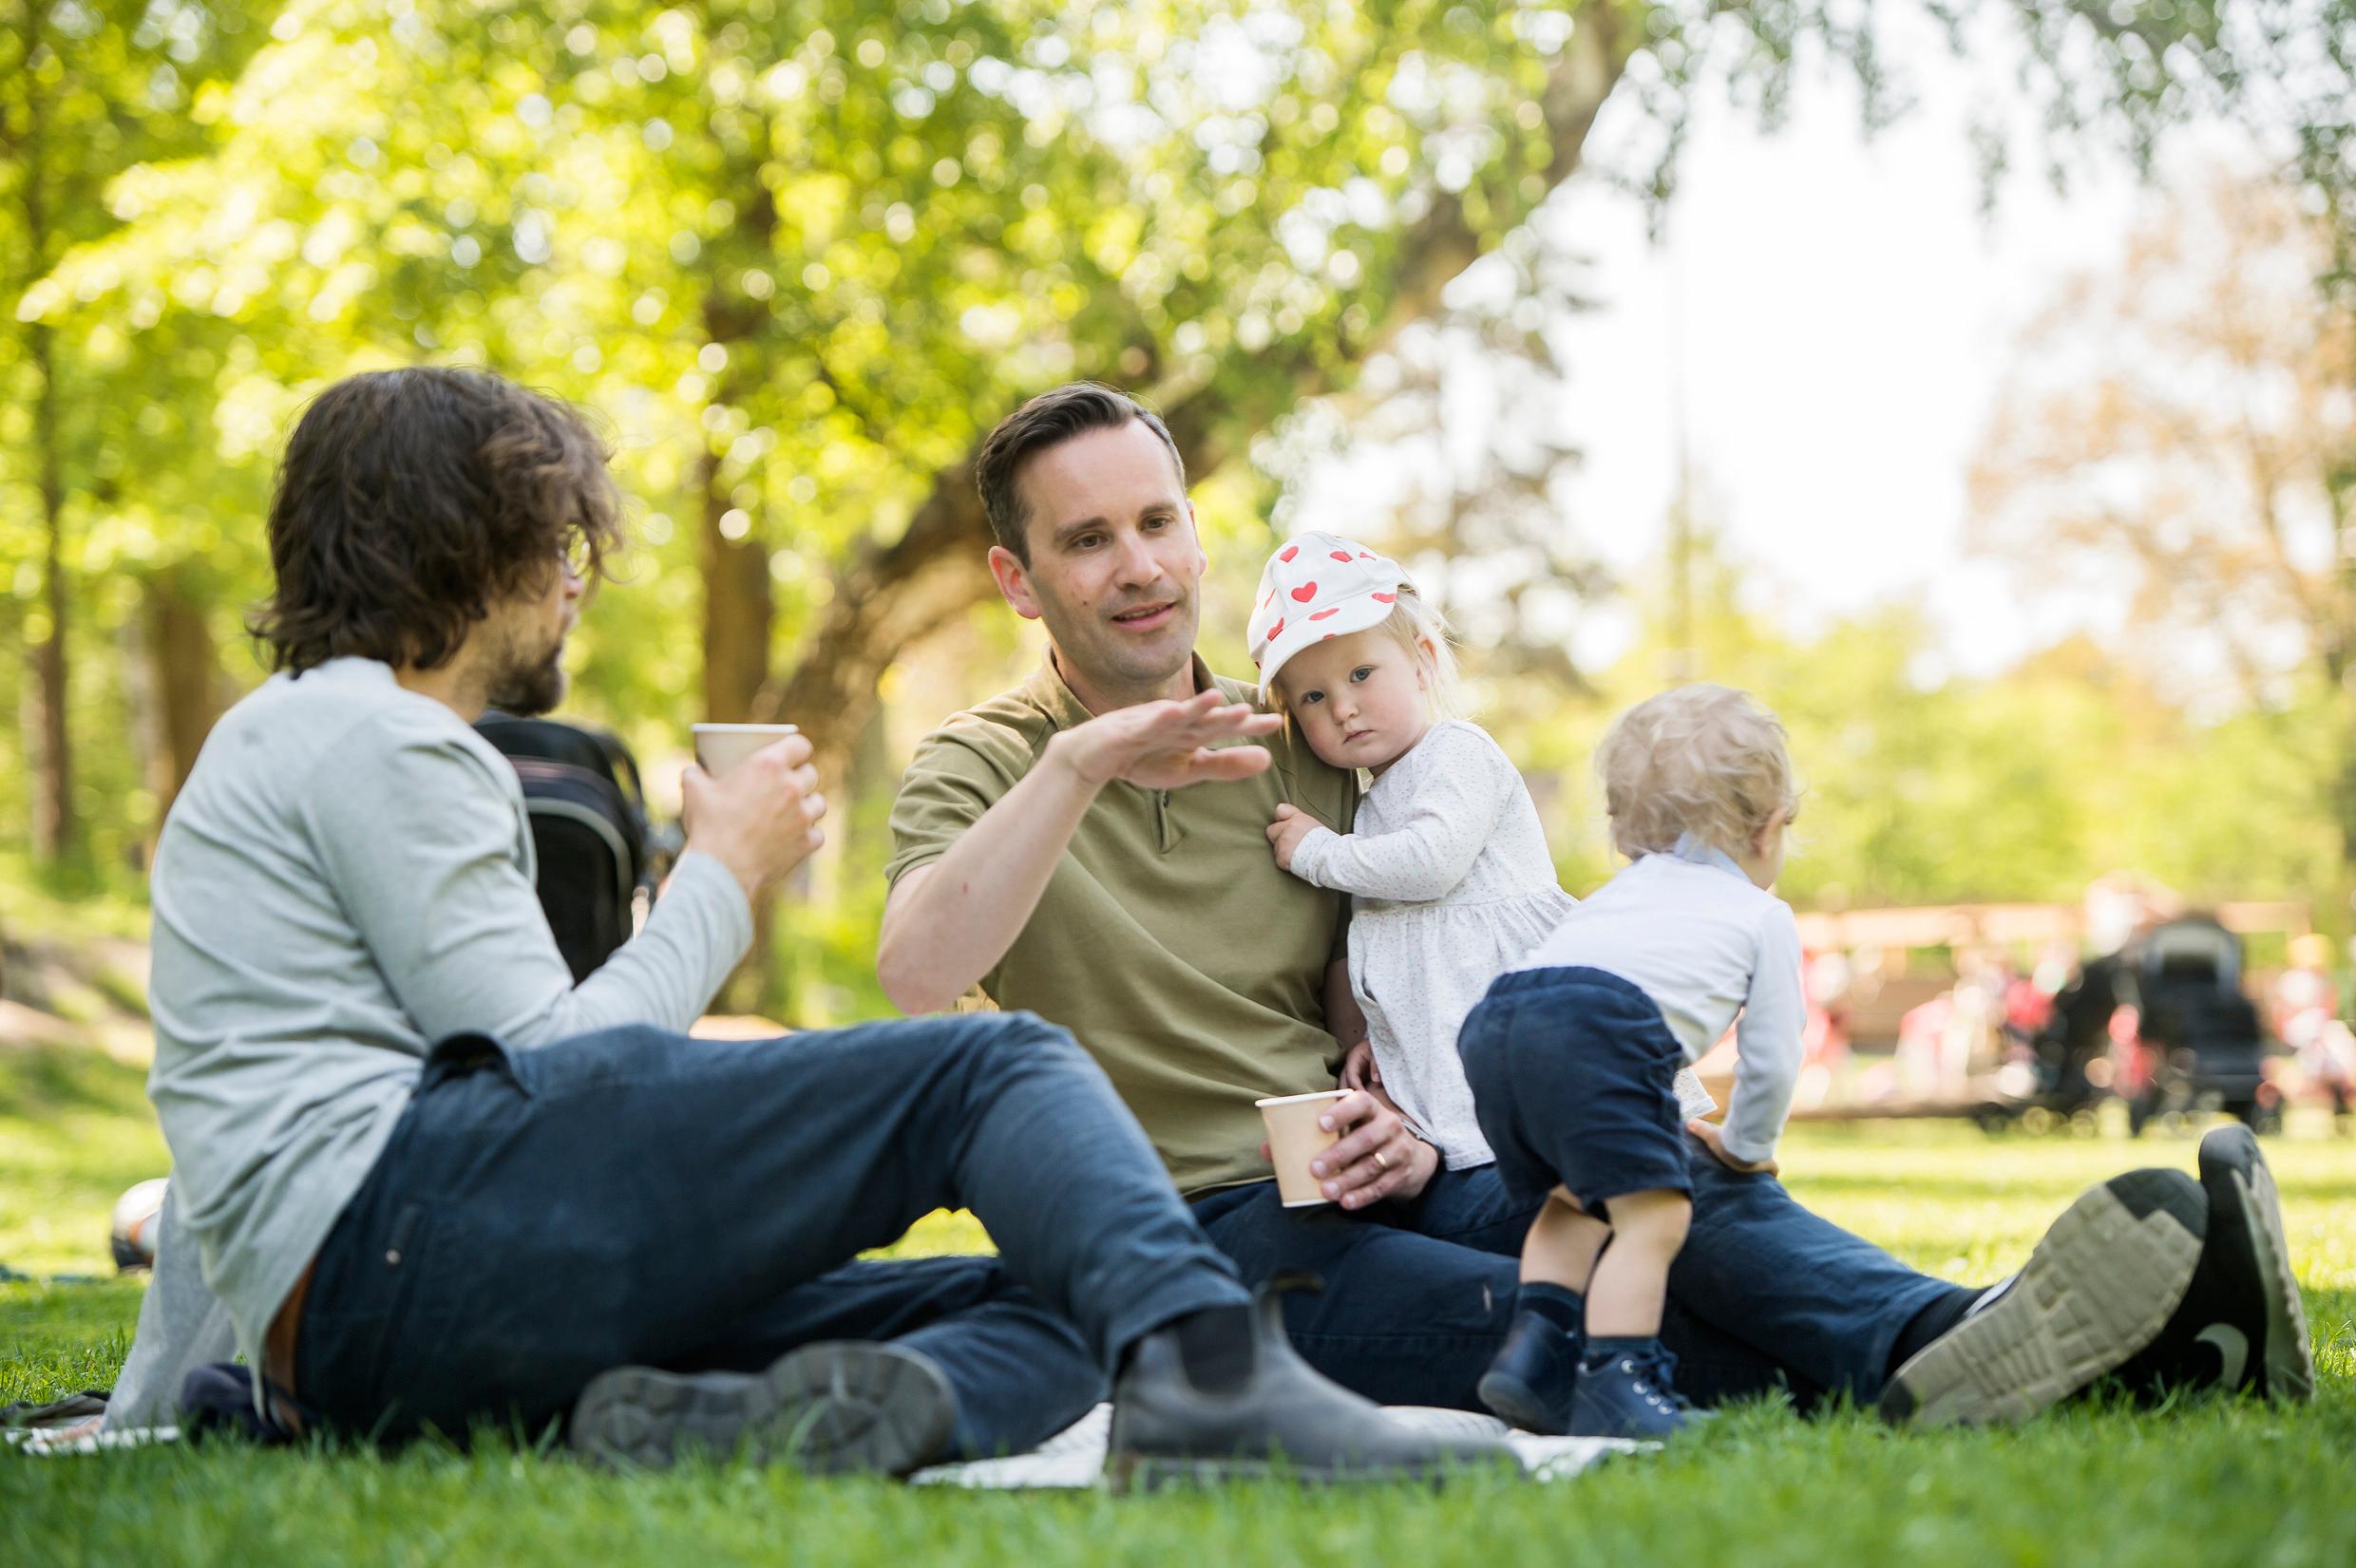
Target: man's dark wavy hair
411	501
1049	420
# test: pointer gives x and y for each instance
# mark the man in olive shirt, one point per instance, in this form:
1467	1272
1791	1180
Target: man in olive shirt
1048	850
1199	990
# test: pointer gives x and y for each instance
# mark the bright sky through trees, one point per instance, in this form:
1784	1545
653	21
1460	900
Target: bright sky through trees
1845	315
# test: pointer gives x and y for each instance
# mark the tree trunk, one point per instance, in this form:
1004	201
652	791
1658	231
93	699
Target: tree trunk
737	608
184	677
888	595
56	829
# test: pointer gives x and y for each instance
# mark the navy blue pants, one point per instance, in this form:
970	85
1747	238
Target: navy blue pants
1573	1074
638	1196
1418	1296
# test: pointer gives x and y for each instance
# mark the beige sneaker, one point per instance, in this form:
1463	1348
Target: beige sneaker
2098	1290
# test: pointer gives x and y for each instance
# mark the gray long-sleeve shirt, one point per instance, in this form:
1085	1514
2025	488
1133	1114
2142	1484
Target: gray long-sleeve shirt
346	880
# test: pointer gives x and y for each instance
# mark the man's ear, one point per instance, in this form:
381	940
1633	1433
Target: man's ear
1014	581
1201	557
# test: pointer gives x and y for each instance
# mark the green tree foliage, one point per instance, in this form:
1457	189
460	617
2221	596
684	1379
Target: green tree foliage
89	89
2028	785
799	253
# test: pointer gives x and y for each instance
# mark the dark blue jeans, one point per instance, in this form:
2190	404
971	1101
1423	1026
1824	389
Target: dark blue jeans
1418	1295
638	1196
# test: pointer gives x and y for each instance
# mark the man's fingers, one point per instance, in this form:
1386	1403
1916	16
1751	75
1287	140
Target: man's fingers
1379	1128
1385	1181
793	752
1224	723
1229	763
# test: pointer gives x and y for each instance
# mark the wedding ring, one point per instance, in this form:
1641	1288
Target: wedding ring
1381	1160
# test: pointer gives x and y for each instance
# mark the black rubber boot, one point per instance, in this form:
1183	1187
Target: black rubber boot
1230	1397
832	1409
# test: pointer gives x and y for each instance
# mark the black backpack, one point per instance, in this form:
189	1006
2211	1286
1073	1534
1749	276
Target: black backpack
589	831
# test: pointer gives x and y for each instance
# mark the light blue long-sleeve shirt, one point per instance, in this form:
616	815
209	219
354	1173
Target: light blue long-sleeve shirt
1691	932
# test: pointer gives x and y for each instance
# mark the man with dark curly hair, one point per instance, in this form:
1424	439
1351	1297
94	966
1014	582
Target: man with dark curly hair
433	1182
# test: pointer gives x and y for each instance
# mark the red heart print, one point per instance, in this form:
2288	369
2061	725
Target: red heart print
1304	593
1270	600
1327	637
1366	554
1277	629
1341	555
1382	598
1288	552
1322	613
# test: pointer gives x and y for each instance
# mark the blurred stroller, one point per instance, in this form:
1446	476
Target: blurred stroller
2070	1056
2198	1045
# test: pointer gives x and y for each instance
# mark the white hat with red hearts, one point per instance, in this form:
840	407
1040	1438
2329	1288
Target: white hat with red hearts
1318	586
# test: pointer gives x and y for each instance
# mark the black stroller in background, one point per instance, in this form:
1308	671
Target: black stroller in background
2202	1045
2198	1044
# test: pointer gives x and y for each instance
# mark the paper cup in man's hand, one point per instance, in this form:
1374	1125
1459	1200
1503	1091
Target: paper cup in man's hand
1295	1139
721	746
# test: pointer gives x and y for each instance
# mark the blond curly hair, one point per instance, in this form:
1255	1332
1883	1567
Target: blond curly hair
1705	760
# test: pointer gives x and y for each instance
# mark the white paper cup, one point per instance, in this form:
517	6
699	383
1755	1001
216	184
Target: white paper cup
1295	1139
721	746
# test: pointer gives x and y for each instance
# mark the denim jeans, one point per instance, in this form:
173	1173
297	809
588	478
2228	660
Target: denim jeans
638	1196
1418	1296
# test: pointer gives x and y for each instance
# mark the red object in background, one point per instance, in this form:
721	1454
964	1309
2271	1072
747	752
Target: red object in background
2132	1052
2027	1009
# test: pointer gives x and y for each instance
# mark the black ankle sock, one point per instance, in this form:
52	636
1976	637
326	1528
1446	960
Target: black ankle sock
1930	1324
1556	1304
1215	1345
1638	1348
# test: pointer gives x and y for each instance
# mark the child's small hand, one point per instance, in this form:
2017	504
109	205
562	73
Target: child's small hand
1358	1069
1285	833
1708	1133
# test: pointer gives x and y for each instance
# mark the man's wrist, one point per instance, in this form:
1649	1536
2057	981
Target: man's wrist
1062	760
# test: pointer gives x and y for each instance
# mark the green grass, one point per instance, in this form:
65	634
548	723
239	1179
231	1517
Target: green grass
2210	1481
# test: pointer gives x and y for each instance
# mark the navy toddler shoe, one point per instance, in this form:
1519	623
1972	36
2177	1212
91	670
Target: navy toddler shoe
1625	1390
1530	1383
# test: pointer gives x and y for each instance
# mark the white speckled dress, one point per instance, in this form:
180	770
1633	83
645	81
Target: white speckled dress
1451	886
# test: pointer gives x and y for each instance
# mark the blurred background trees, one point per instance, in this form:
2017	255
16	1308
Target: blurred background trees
799	254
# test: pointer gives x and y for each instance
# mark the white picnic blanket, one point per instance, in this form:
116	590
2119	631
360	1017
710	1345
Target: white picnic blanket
1073	1459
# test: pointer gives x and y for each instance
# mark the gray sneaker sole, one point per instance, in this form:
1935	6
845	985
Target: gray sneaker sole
831	1409
2099	1286
2235	1172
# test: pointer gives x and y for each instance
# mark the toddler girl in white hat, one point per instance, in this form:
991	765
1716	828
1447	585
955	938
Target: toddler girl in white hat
1447	865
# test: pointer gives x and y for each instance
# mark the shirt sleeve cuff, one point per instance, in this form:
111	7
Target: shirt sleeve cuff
1309	854
1751	1151
701	877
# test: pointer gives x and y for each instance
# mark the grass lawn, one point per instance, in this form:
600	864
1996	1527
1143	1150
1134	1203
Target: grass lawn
2207	1483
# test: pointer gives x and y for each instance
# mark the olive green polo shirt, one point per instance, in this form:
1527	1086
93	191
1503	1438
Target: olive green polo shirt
1168	940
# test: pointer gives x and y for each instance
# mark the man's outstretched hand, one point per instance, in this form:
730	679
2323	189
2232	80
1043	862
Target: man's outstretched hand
1168	745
